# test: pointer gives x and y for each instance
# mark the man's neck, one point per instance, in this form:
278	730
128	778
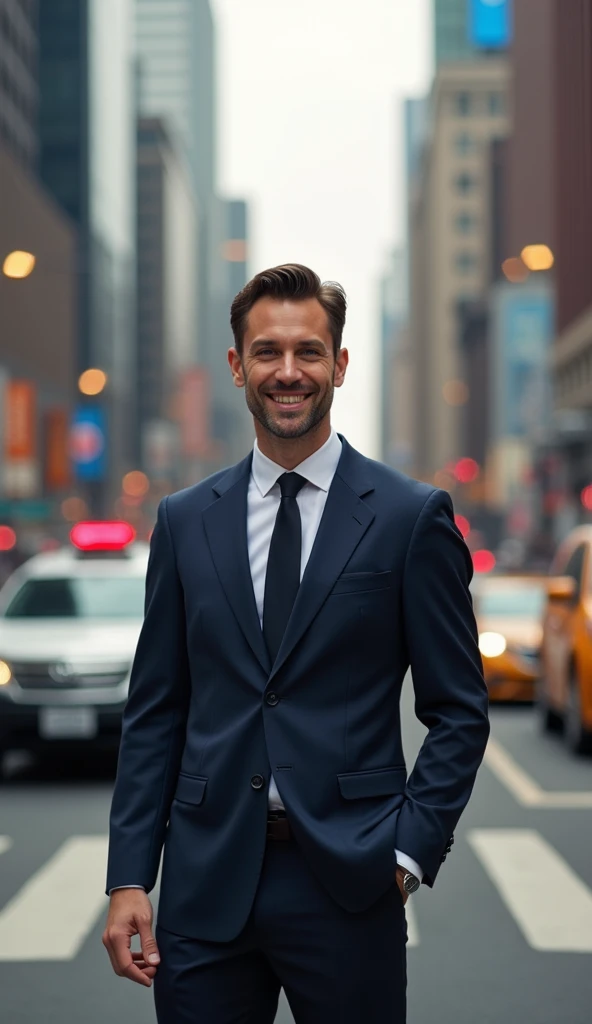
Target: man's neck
290	452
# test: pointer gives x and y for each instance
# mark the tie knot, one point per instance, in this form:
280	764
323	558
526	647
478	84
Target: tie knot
290	484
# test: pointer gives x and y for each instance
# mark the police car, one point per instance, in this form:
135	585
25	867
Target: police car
69	625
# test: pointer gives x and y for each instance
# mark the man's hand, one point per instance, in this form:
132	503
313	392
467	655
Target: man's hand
400	876
130	913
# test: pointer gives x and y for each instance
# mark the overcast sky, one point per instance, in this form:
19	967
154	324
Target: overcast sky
310	134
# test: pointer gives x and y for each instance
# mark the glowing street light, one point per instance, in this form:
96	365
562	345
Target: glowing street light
538	257
92	382
18	264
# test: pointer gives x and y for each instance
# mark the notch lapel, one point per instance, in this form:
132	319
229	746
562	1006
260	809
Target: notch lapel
344	522
225	522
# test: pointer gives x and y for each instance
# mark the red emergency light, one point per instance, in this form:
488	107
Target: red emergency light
102	536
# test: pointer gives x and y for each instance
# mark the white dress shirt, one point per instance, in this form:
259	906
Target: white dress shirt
263	503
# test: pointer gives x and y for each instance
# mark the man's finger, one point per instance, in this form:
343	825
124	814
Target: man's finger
117	942
148	942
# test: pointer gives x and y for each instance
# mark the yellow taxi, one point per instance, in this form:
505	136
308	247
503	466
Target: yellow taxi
565	688
509	611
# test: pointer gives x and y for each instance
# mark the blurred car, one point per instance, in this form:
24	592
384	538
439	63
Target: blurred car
69	625
509	612
565	689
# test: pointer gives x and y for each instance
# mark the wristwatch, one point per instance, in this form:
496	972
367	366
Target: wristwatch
410	882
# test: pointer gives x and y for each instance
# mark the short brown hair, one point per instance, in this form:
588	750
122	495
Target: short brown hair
290	281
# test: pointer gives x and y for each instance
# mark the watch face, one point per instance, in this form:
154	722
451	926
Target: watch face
410	883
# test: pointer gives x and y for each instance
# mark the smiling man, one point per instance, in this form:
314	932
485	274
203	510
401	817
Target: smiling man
286	599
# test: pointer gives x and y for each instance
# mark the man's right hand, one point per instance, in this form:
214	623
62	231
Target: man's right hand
130	913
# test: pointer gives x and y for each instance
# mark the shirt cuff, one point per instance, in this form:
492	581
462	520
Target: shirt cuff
116	887
409	864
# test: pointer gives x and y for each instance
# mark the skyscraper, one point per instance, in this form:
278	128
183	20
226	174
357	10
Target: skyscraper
451	38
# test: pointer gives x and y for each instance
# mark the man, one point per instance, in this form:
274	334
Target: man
286	598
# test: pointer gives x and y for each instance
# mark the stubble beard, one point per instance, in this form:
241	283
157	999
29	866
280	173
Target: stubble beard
319	407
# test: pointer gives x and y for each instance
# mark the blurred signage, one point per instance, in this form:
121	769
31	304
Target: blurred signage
33	510
159	448
522	334
490	24
57	449
21	471
194	412
88	443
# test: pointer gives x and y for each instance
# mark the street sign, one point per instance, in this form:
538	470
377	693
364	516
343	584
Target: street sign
88	443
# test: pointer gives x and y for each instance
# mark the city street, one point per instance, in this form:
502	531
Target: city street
506	934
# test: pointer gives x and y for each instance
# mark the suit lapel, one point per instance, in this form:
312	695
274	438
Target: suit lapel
225	522
343	524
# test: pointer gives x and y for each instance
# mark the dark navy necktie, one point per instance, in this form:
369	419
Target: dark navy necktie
283	565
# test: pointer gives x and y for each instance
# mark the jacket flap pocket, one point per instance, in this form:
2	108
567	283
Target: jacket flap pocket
356	582
190	789
378	782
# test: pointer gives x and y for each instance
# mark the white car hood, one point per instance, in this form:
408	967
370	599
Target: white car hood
68	640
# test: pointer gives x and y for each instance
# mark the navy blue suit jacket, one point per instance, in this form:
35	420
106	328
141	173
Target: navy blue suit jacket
386	587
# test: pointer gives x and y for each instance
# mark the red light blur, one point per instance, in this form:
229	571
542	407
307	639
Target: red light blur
463	524
483	560
7	538
466	470
106	536
586	497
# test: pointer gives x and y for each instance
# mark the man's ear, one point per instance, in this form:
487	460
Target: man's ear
340	367
236	368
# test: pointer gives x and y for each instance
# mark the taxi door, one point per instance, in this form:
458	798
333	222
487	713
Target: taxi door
563	621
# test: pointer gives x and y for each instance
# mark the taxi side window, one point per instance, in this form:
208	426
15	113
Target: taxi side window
574	568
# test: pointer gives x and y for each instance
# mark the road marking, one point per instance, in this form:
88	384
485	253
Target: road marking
5	843
412	931
550	903
49	918
525	790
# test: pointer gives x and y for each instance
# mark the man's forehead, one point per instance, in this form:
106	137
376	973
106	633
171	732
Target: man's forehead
287	317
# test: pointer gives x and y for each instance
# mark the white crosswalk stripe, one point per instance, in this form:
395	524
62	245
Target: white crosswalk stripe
550	903
51	915
5	843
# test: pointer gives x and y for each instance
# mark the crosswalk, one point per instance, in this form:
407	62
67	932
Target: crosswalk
53	913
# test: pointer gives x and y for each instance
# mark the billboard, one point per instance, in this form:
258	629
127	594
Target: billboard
88	443
490	24
21	467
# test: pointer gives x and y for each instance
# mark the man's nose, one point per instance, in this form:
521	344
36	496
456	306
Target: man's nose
288	372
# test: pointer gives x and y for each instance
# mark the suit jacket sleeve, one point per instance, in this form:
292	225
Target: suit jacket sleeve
154	723
450	692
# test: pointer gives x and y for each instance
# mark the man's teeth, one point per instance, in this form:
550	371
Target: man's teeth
288	399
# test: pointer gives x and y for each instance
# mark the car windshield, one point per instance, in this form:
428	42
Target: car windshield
513	602
89	597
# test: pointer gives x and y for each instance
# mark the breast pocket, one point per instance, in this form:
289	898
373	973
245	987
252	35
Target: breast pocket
362	582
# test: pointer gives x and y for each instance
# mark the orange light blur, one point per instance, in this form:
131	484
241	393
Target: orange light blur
515	270
92	382
537	257
7	538
74	509
483	560
18	264
466	470
455	392
444	479
463	524
586	497
135	484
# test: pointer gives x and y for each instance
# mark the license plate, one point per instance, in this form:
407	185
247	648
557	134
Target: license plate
67	723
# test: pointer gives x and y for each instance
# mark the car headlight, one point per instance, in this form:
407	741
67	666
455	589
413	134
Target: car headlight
492	645
5	673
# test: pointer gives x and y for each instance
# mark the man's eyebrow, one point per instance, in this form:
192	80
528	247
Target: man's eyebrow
273	341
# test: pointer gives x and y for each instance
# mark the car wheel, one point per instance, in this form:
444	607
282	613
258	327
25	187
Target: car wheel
549	720
577	737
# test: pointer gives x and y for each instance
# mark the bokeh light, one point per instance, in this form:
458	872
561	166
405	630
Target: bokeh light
19	264
515	270
537	257
7	538
483	560
466	470
74	509
92	382
135	484
463	524
586	497
455	392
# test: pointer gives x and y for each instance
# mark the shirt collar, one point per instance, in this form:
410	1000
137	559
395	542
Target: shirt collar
318	469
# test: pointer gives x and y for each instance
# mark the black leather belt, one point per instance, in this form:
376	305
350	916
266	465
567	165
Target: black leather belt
278	827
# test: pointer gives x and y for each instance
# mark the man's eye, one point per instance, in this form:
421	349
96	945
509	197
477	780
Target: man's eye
266	352
310	352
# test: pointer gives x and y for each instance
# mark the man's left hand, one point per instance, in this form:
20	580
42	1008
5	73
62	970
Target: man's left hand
400	876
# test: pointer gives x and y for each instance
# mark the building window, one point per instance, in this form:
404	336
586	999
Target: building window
466	183
466	262
466	222
496	104
462	104
465	144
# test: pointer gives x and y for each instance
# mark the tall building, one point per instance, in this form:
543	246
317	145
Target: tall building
451	36
18	79
167	233
396	391
451	245
87	162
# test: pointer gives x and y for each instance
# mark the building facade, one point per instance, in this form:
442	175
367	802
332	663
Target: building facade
18	79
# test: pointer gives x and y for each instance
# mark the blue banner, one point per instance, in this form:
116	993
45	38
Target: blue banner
490	24
88	443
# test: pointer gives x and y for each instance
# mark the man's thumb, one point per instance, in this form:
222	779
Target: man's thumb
149	947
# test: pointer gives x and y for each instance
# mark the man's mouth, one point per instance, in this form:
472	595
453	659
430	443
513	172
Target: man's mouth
291	400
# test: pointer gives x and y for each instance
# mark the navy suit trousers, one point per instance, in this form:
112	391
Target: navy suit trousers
335	967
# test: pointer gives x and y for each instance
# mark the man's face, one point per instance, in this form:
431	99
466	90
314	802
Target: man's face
287	367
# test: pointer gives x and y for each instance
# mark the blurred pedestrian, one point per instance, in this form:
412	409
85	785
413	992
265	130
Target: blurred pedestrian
286	599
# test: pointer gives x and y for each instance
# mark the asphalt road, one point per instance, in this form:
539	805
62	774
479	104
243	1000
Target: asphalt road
505	935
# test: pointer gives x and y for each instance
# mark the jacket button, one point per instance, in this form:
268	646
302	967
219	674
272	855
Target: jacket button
272	699
257	782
